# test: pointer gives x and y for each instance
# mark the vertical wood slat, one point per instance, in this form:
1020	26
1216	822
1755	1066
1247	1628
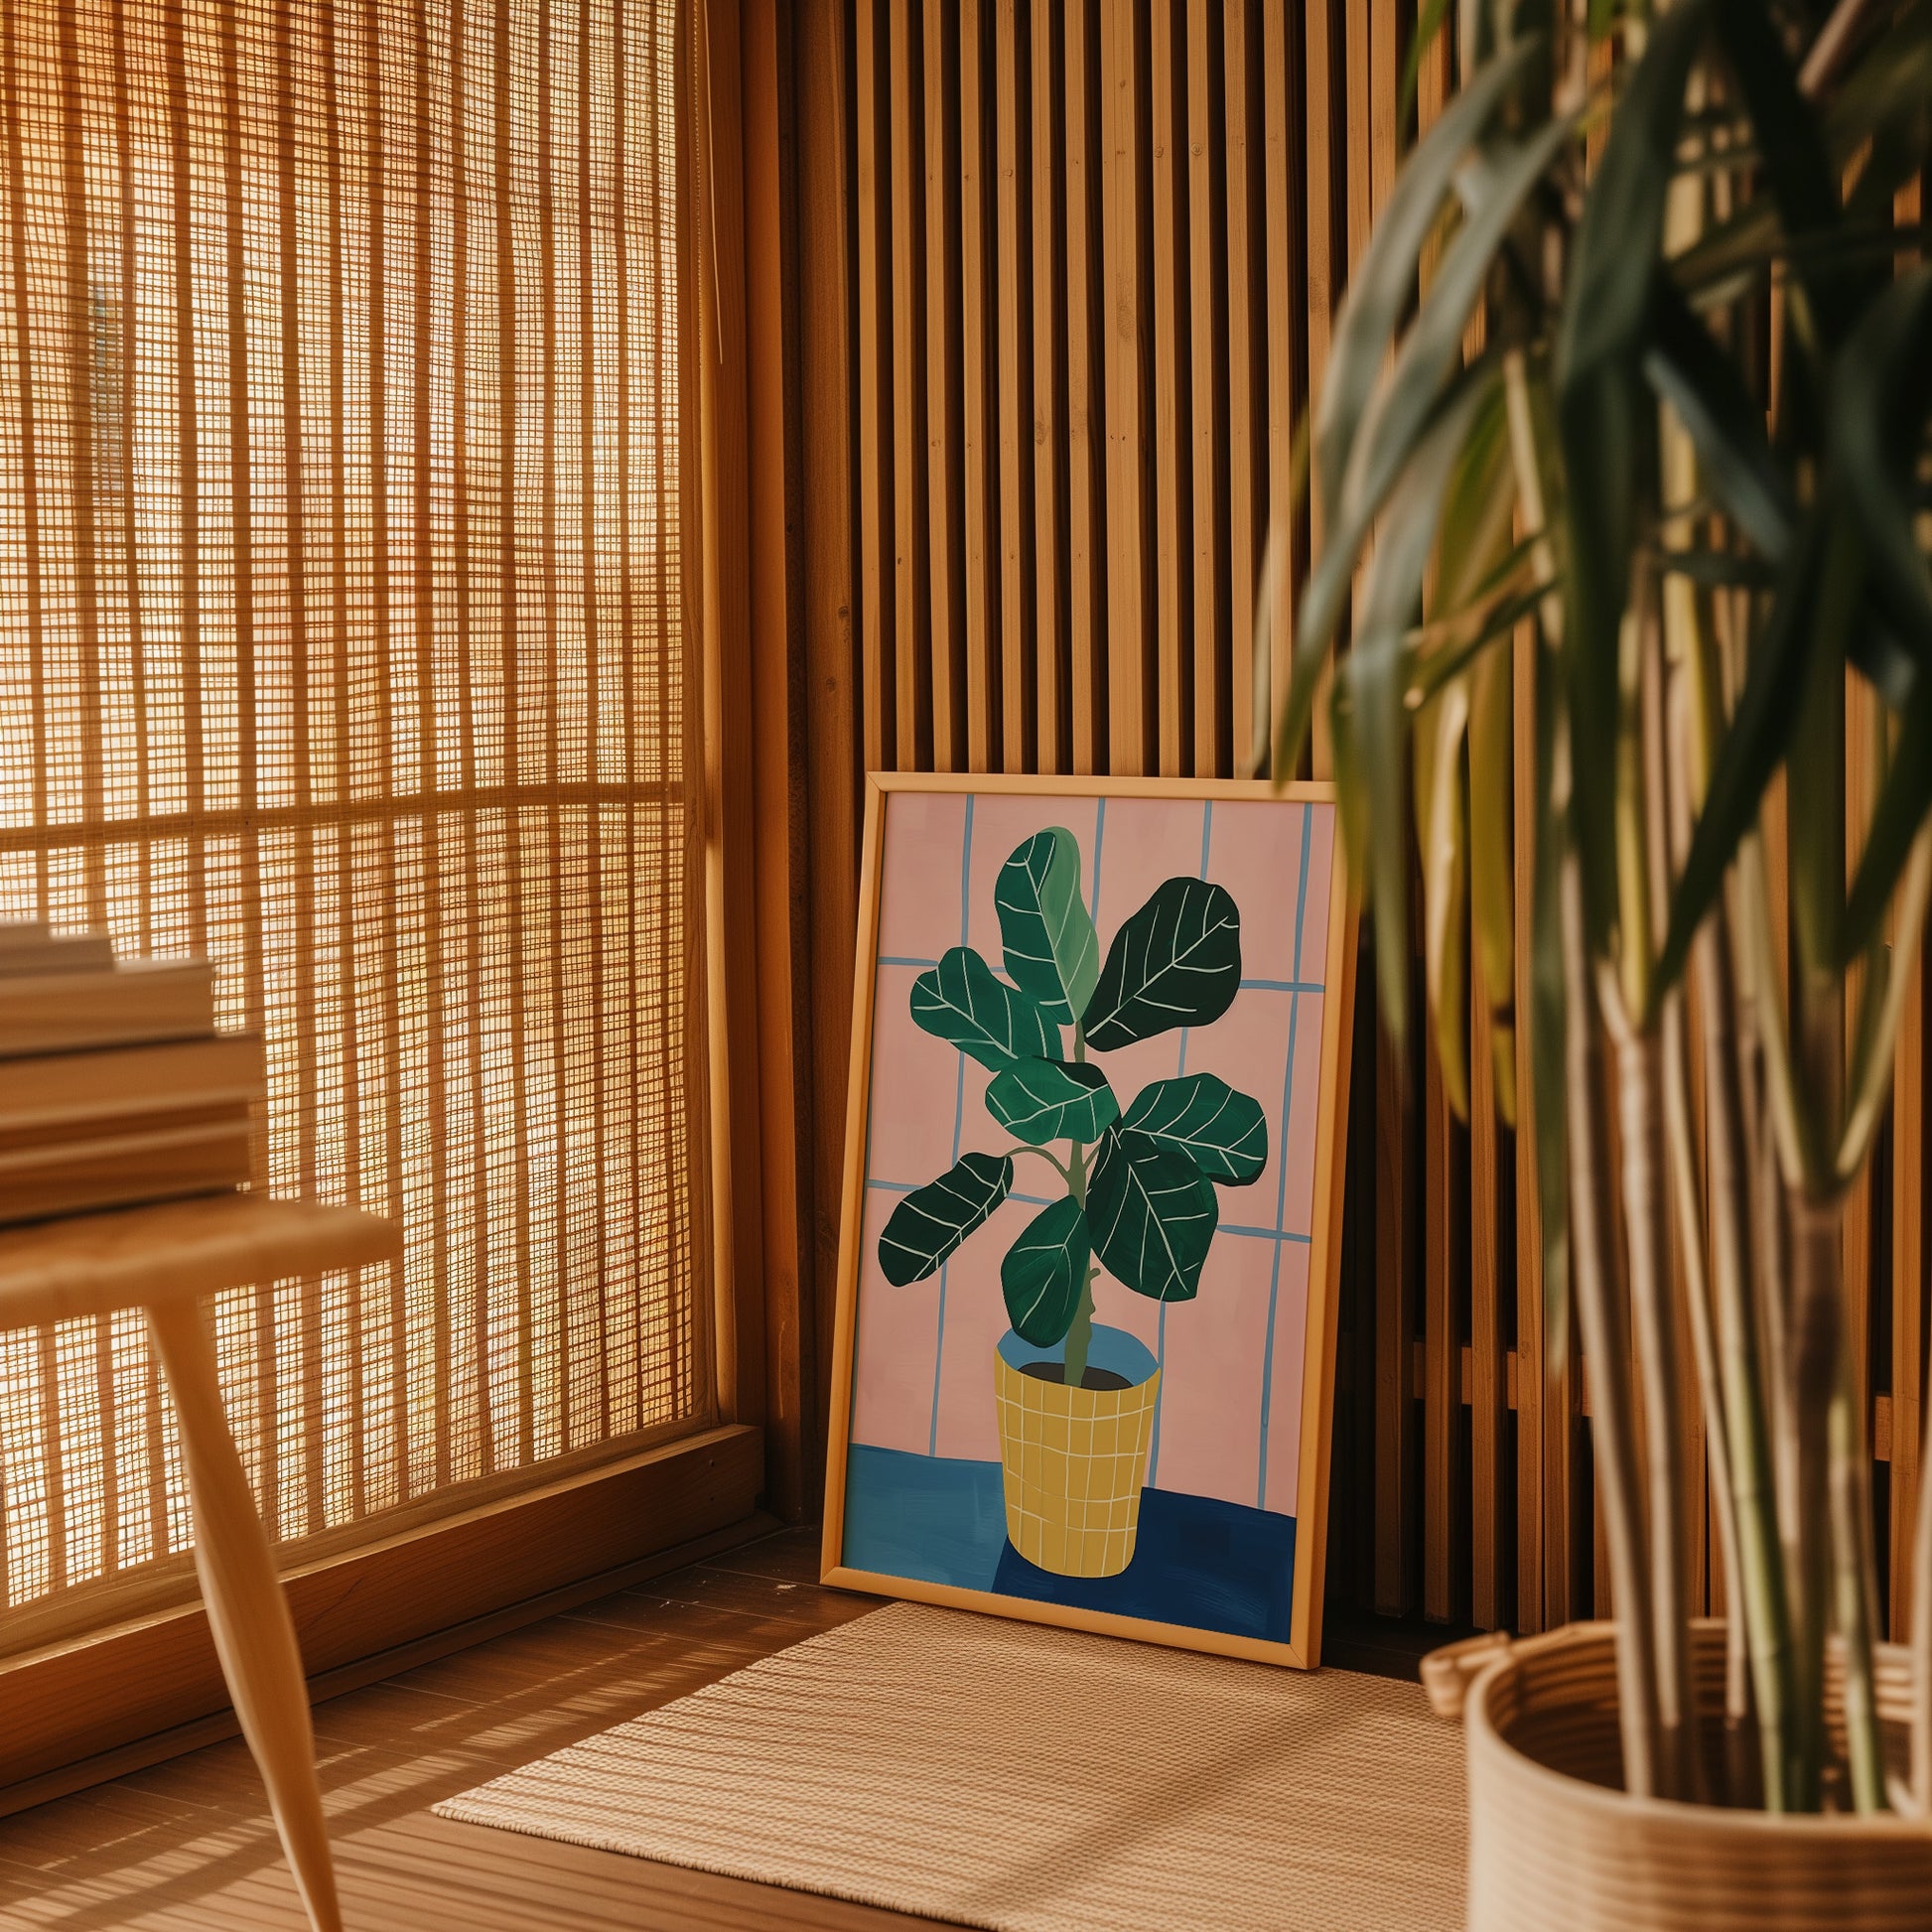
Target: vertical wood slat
1013	209
1541	1401
1210	461
1173	541
977	337
832	672
1488	1357
1086	453
912	659
1129	387
1443	1516
1246	253
1048	438
1278	119
1911	1174
1911	1180
945	578
877	603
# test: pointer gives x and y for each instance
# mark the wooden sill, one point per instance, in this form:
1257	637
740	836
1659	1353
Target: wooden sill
94	1708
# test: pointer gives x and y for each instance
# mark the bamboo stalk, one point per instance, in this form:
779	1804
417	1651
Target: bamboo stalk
1758	1594
1604	1320
1814	1371
1923	1640
1854	1590
1647	1227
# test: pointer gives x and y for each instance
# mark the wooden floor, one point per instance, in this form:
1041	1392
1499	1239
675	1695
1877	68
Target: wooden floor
188	1846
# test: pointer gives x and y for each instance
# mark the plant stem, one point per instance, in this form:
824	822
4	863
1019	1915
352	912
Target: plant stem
1604	1324
1854	1592
1646	1222
1922	1636
1813	1369
1080	1336
1689	1202
1759	1579
1760	1575
1758	1591
1014	1152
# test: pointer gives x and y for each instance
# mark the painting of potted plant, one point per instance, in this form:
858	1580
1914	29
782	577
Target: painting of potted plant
1083	1365
1076	1400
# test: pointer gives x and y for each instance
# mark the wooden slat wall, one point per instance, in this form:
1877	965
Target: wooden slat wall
1092	252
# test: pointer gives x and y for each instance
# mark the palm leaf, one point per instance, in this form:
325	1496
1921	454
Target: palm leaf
1375	671
1600	418
1797	170
1549	1026
1492	810
1881	394
1703	386
1760	731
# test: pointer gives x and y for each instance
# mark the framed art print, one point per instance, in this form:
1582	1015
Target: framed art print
1085	1347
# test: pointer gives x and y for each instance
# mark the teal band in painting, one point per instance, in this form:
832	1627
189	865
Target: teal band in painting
1113	1349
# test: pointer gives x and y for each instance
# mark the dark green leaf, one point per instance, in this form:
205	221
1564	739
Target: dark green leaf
1760	731
963	1001
1881	392
1044	1273
1703	385
1052	1100
1601	414
1492	811
1225	1133
1890	87
928	1224
1176	963
1549	1026
1152	1214
1052	949
1791	145
1903	801
1375	671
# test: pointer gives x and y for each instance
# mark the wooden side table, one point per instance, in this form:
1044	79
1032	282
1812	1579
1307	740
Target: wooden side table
163	1259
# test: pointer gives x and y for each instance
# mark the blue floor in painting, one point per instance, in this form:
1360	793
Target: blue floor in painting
1210	1564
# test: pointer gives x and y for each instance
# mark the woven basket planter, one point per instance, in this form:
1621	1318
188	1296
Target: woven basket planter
1073	1460
1554	1843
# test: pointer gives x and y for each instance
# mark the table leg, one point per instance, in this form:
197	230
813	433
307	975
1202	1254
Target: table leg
254	1635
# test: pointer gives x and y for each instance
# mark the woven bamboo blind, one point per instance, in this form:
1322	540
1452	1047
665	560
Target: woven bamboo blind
341	639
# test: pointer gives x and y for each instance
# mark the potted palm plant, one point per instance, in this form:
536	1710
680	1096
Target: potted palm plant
1076	1399
1691	453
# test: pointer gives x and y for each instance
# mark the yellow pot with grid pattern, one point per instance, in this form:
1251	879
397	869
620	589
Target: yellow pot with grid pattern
1073	1460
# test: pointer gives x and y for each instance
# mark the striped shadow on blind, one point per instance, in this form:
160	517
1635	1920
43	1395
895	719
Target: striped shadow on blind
341	639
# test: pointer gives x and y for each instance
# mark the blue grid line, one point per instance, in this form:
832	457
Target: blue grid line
897	959
1247	986
1280	1175
1237	1228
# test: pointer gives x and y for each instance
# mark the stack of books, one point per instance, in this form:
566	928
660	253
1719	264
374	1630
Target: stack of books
114	1086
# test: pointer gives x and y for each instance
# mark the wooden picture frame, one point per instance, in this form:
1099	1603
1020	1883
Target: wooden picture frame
1268	1607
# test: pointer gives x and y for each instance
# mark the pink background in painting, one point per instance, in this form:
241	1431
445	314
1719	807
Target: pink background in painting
1229	1418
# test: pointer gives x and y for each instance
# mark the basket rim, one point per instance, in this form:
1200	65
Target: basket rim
1484	1734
